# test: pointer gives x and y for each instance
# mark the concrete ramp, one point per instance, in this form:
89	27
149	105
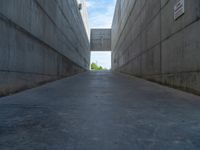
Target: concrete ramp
100	40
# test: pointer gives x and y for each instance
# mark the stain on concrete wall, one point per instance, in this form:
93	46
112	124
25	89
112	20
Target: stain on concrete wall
40	40
148	42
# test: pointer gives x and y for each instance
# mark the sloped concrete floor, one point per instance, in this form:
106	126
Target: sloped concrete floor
100	111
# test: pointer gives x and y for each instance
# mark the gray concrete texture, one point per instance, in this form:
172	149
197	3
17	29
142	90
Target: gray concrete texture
84	14
149	43
100	40
40	40
100	111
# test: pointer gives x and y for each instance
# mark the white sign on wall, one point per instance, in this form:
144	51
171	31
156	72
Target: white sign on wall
179	9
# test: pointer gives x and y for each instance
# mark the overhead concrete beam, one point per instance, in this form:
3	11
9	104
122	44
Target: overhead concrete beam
100	40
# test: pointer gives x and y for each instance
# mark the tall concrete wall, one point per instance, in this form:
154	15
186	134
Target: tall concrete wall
84	14
40	40
148	42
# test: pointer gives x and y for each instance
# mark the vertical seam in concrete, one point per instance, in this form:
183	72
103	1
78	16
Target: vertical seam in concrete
198	9
29	35
126	21
161	38
144	28
36	1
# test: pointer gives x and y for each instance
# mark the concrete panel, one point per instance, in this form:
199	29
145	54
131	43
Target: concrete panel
181	53
188	81
41	41
151	62
171	26
84	14
100	40
153	33
148	42
56	23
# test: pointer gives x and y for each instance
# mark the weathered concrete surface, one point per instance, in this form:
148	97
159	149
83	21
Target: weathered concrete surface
100	40
40	40
84	14
100	111
149	43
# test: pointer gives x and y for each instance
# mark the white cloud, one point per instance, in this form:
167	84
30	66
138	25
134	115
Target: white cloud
90	4
101	13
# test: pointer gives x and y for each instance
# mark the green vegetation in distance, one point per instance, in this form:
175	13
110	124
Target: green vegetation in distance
95	67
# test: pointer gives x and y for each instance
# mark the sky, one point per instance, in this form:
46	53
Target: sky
100	16
101	13
102	59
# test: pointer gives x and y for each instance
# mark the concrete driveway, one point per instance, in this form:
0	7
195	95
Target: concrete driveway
100	111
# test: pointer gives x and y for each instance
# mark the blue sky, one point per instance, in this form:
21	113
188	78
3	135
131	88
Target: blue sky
100	13
100	16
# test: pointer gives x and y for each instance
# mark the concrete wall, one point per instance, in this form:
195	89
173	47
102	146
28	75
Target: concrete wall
40	40
147	42
84	14
100	40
